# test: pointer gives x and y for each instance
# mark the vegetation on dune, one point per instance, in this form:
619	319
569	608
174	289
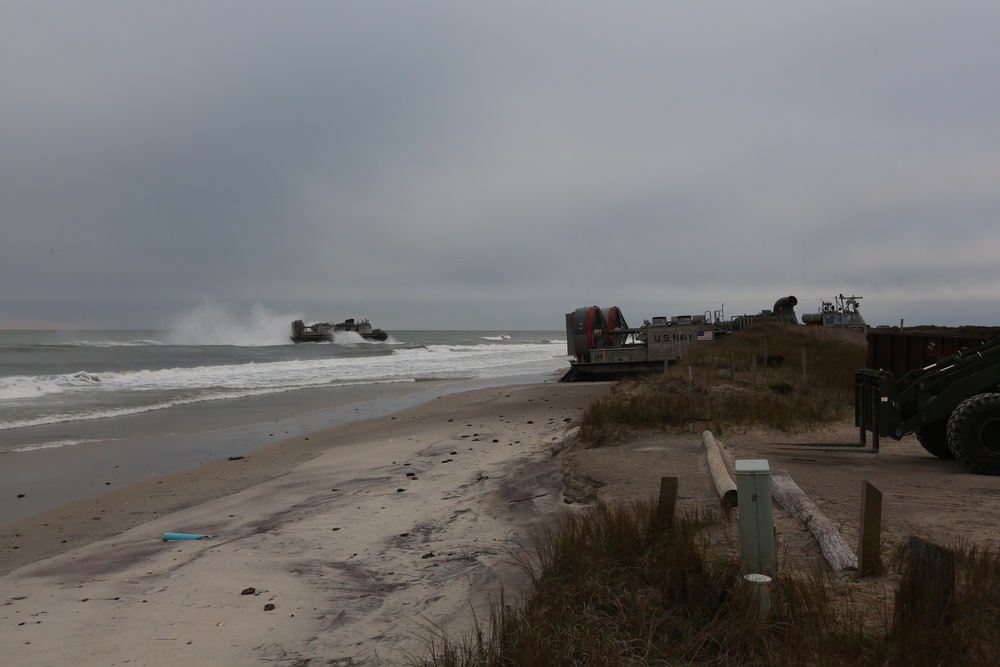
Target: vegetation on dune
770	375
618	586
965	330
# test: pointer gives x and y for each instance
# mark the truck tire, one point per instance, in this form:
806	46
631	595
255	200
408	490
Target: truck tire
974	433
934	438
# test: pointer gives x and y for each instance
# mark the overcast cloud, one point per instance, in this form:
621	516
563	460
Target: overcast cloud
466	165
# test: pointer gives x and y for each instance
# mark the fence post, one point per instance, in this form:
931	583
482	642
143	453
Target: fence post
668	501
871	530
929	585
690	393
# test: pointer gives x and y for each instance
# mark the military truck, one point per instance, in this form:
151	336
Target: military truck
947	393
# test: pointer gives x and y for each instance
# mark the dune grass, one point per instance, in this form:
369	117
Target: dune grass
770	375
616	587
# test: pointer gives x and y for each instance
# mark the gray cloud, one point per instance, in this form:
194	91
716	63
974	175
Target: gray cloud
457	165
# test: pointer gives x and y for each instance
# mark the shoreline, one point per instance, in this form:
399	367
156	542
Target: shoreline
319	520
146	446
160	474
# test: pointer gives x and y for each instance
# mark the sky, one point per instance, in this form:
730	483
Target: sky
495	165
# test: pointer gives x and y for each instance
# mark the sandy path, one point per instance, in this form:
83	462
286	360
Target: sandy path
363	538
923	496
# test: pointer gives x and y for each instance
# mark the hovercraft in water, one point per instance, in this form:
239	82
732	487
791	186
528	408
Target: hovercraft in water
322	332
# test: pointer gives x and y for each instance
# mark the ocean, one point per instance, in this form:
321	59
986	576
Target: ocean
177	398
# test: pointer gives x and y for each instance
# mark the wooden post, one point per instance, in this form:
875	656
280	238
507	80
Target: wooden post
805	373
929	584
668	501
732	366
690	394
869	544
753	367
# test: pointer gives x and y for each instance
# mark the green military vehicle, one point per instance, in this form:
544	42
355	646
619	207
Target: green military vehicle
948	393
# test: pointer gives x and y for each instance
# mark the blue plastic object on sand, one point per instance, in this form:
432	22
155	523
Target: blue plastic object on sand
167	537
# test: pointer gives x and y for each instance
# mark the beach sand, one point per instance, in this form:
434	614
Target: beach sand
353	545
359	544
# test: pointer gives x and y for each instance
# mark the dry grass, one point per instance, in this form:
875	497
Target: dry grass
752	378
616	587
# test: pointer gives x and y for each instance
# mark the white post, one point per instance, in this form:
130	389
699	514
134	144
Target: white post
753	498
760	593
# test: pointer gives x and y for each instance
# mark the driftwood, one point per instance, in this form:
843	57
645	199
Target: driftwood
835	549
724	484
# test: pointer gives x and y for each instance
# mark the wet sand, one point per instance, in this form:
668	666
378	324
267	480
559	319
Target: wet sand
121	451
351	545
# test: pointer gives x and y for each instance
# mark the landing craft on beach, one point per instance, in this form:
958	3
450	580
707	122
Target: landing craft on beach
322	332
604	347
842	313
